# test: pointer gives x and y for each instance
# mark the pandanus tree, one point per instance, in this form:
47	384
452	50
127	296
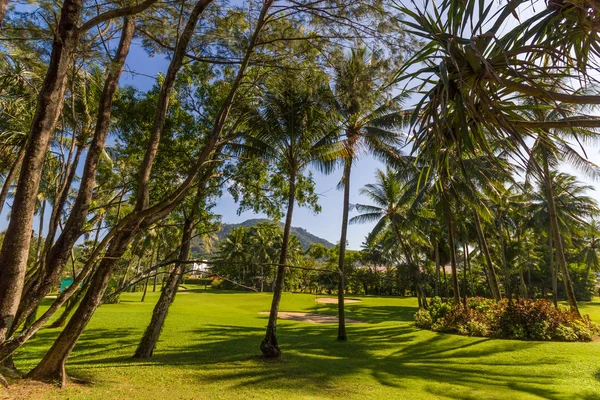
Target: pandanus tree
371	119
483	76
292	125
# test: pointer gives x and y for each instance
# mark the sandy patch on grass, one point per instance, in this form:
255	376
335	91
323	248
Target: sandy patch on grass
312	318
332	300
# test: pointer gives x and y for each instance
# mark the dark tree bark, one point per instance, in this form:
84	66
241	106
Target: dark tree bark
342	336
152	333
269	345
15	249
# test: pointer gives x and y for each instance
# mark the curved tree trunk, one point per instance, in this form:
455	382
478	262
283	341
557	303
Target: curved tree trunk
558	242
491	272
269	345
342	256
58	254
152	333
52	366
15	250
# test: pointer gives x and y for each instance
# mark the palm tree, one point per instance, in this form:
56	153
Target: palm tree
390	214
370	118
568	207
292	125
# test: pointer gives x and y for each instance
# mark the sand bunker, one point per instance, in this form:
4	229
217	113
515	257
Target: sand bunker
312	318
331	300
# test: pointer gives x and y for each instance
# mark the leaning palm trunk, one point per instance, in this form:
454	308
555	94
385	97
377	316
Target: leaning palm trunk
152	333
491	272
341	261
269	345
558	243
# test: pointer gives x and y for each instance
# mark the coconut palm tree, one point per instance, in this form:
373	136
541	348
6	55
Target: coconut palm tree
391	213
371	118
291	126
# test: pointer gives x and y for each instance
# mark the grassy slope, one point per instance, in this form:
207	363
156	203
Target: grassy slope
209	350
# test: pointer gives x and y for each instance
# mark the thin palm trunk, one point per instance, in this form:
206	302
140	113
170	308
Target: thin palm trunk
452	245
342	256
491	272
437	268
269	345
558	243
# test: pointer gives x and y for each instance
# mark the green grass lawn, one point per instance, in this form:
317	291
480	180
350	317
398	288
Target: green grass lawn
210	350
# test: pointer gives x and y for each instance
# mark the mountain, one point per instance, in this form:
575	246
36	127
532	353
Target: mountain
306	238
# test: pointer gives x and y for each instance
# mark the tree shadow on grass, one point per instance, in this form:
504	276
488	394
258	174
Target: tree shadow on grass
394	356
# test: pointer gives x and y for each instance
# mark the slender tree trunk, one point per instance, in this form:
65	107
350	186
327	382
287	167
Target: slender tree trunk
452	245
73	302
145	289
38	251
491	272
553	268
437	268
15	249
342	256
58	254
10	177
558	243
465	251
446	290
472	285
152	333
269	345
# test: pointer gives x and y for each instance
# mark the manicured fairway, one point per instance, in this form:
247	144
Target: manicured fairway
209	350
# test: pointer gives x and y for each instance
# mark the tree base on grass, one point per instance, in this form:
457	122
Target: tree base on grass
269	346
56	374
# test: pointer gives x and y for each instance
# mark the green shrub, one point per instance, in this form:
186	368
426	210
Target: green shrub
216	284
475	328
565	333
198	281
514	319
423	319
438	309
